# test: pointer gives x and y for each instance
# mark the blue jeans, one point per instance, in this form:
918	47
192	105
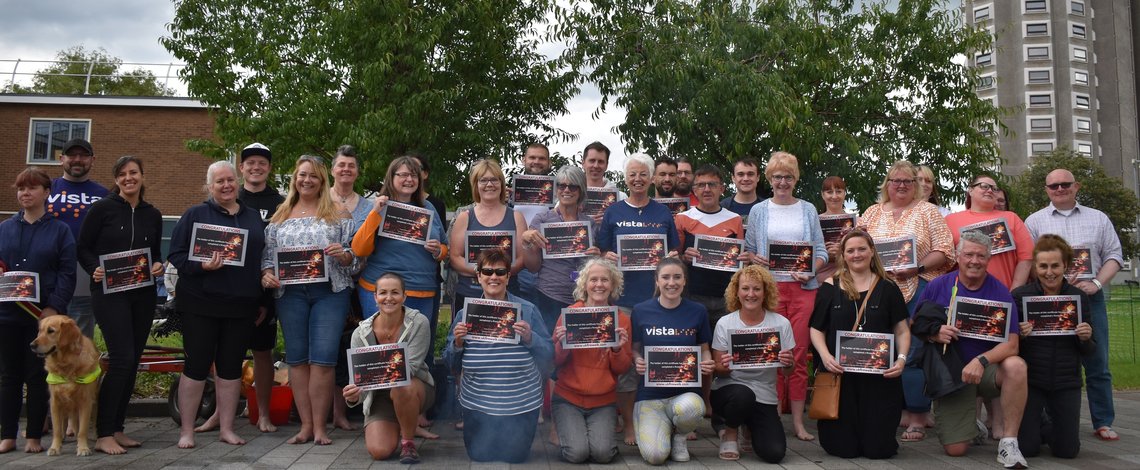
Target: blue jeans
429	306
312	319
585	433
490	438
523	285
913	379
1098	380
81	311
550	309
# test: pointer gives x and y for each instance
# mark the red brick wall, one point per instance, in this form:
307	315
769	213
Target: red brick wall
174	176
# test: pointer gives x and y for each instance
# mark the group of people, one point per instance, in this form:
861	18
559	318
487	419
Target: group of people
838	284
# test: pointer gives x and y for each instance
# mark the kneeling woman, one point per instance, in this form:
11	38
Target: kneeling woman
390	416
870	405
748	397
500	389
665	415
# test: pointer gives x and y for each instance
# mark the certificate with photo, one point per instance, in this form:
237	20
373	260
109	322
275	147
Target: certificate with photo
1082	266
566	239
126	270
981	319
998	231
405	222
640	252
598	200
590	327
478	240
672	366
788	258
301	265
20	286
379	367
836	226
897	253
754	348
719	253
532	190
676	205
491	321
864	353
227	242
1052	315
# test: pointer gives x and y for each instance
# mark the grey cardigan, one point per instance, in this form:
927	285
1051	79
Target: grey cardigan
416	333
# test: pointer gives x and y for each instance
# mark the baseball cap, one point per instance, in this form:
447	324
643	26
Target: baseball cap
256	148
85	145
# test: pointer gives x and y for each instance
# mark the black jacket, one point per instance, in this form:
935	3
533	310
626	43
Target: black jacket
232	291
941	364
45	247
1054	362
112	226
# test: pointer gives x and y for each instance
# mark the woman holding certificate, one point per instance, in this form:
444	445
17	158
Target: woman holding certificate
1054	337
1012	253
585	394
744	389
216	249
500	347
391	414
121	226
308	262
32	241
489	214
857	326
671	338
903	215
784	236
834	195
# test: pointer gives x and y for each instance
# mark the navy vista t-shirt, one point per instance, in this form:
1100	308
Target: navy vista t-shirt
622	219
655	325
69	201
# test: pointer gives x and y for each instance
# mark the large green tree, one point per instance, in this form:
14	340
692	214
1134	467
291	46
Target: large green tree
457	80
69	75
1098	190
847	90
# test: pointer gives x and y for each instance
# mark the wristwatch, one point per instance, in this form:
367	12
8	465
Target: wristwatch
982	360
921	268
902	357
1097	283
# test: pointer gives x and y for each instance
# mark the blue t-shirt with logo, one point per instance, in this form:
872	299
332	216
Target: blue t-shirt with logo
655	325
623	219
69	201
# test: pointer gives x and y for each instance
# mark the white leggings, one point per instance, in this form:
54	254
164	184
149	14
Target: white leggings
657	420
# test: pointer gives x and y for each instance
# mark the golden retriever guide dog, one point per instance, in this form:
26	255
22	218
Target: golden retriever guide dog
72	364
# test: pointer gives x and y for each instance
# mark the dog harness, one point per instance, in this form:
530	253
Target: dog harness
56	379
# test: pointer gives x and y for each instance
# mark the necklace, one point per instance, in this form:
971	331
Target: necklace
344	199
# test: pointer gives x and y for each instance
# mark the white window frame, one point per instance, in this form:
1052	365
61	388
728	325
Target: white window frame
1084	8
1025	29
1080	147
1077	128
1030	143
1025	7
1030	70
989	54
1048	52
988	8
1029	123
1077	74
1029	99
1087	98
1073	25
53	159
1075	57
991	77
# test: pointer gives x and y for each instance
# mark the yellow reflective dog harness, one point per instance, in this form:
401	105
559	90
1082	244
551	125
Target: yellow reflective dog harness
56	379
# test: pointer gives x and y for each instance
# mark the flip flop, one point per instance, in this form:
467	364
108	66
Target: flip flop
909	434
1106	433
729	450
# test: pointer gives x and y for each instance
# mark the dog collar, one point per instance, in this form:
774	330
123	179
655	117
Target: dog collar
56	379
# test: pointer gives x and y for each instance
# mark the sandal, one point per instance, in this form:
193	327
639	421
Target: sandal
729	450
1106	433
913	434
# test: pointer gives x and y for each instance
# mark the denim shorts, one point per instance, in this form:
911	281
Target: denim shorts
312	318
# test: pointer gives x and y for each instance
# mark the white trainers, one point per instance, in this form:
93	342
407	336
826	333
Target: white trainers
680	451
1009	455
983	434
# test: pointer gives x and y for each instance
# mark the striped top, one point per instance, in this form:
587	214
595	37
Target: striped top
502	379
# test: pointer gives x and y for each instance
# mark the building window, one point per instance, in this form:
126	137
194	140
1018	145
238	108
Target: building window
984	59
1080	77
1081	102
985	82
1037	53
1040	124
1036	29
1038	76
982	14
1077	8
47	136
1041	100
1036	148
1084	126
1085	149
1080	54
1036	6
1078	30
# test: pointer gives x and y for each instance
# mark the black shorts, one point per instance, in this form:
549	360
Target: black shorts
264	336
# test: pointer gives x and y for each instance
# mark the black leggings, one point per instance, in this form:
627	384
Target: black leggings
215	341
20	366
735	405
1064	409
125	320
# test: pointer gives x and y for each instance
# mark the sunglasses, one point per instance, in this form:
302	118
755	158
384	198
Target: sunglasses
495	271
572	187
1056	186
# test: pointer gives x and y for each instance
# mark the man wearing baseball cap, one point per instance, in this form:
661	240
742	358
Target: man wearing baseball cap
71	195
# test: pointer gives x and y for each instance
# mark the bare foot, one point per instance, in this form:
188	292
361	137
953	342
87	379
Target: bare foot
424	433
33	446
459	425
7	445
424	422
344	424
265	425
803	435
186	441
692	436
620	426
229	437
321	440
109	446
630	439
553	437
125	441
300	438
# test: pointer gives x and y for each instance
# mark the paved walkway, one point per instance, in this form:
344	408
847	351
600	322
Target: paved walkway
269	451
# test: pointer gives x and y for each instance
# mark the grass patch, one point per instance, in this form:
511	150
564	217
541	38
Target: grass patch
1123	328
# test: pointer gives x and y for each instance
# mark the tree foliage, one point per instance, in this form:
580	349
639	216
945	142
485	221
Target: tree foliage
69	76
848	91
456	80
1098	190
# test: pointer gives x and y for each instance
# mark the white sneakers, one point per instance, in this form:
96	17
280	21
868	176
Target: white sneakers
1008	454
680	450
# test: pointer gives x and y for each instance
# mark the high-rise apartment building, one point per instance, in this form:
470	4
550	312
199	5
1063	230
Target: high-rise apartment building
1067	67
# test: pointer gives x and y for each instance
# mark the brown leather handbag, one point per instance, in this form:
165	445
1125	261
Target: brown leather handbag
825	394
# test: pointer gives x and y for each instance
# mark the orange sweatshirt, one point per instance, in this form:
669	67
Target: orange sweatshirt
588	377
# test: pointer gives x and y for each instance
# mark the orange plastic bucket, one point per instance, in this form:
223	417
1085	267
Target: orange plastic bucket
280	404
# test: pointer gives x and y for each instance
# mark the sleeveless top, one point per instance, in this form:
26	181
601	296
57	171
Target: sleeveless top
468	286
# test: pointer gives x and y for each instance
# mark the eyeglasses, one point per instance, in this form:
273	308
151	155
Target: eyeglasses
496	271
783	178
488	181
567	186
898	182
1056	186
984	186
706	185
404	174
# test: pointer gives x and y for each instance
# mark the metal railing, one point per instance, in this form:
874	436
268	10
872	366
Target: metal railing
164	72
